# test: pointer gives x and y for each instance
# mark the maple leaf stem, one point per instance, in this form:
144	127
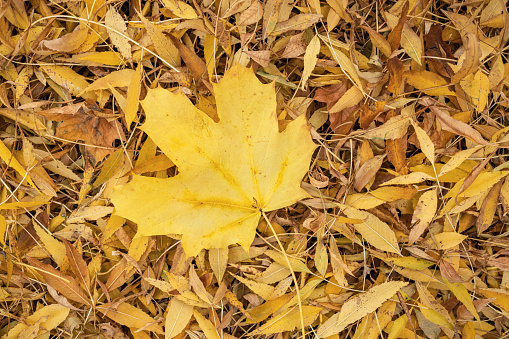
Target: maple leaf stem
293	274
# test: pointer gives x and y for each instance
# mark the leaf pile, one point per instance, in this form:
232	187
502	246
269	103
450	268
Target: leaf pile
277	169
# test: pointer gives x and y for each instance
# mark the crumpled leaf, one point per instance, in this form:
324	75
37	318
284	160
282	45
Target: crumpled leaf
228	171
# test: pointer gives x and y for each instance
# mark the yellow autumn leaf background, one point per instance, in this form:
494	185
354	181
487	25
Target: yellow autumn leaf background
254	169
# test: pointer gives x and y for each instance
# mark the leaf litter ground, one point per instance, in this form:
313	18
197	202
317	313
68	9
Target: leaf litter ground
372	137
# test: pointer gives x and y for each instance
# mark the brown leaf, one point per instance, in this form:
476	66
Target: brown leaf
394	37
488	208
452	125
78	265
449	273
63	283
80	123
330	94
396	69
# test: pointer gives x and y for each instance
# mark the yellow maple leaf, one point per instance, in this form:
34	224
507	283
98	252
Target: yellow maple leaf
228	171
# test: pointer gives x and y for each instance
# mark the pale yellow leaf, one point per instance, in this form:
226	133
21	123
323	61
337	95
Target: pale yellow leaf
461	293
457	159
288	320
423	214
52	245
49	317
310	59
263	290
180	9
165	49
408	179
130	316
351	98
179	314
218	260
133	96
425	143
117	31
373	230
206	326
446	240
358	307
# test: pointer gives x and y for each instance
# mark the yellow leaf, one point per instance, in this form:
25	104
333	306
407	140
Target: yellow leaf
179	314
408	179
133	96
263	311
348	68
206	326
68	42
410	262
117	31
469	61
394	128
296	264
358	307
424	213
165	49
383	318
398	326
52	245
410	41
310	59
457	159
130	316
351	98
228	171
374	231
430	83
502	297
261	289
425	143
446	240
107	58
477	87
67	78
120	78
288	320
49	317
218	259
461	293
11	161
180	9
3	229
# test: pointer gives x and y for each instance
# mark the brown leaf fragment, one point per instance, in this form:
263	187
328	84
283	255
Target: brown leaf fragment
63	283
394	37
471	61
449	273
195	64
396	69
81	123
330	94
262	58
78	265
502	263
434	43
396	153
452	125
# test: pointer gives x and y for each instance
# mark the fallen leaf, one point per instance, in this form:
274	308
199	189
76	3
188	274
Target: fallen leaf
358	307
268	179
